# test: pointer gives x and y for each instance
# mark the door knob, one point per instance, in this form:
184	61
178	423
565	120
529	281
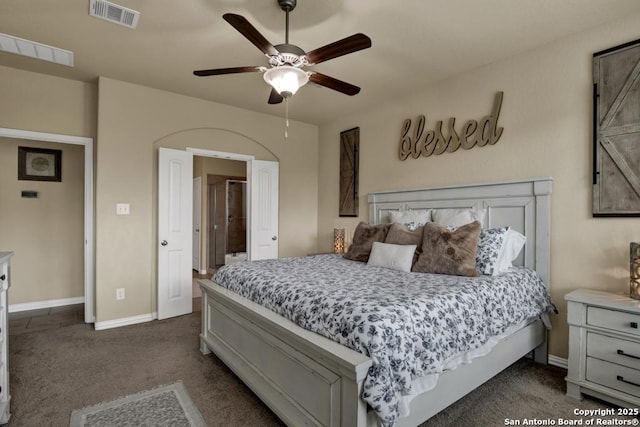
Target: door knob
274	238
164	243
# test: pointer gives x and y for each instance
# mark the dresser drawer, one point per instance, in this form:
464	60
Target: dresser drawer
619	321
622	352
614	376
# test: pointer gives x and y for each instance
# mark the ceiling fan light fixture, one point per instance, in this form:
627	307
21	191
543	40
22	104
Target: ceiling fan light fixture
285	79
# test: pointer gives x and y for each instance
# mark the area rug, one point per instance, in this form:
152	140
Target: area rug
167	405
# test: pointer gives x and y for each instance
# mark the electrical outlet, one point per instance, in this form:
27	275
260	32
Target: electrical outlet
122	208
120	293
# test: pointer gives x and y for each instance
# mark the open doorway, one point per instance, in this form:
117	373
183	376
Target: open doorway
175	239
223	211
86	145
227	214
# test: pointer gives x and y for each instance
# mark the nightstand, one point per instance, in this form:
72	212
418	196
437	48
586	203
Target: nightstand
5	397
604	346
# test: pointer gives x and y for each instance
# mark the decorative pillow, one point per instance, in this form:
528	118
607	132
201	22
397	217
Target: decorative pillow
449	252
490	244
458	217
363	238
412	219
513	244
396	257
400	234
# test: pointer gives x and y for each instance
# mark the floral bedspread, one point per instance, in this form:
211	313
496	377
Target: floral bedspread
409	324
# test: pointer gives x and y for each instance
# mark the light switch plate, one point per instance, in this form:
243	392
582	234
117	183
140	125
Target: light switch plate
122	208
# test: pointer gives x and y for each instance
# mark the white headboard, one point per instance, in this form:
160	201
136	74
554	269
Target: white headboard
523	205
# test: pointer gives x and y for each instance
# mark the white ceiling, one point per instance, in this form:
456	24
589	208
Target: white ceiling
415	43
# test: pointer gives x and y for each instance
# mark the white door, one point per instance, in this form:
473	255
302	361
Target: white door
263	208
175	203
197	214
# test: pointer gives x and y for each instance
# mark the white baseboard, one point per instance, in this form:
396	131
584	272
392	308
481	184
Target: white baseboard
26	306
125	321
558	361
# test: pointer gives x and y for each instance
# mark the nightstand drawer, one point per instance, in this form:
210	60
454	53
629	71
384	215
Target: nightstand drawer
614	350
613	376
619	321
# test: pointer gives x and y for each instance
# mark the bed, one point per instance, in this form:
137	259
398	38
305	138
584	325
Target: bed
307	379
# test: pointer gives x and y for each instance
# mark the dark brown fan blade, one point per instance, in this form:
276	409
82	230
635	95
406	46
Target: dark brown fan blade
233	70
275	97
246	29
335	84
350	44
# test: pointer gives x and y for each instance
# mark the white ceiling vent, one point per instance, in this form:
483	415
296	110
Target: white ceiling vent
13	44
114	13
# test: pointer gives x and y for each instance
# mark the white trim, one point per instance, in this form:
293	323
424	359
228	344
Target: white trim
89	261
43	136
125	321
558	361
26	306
203	272
220	154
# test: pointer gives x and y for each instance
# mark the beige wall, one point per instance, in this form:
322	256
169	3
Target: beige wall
49	264
37	102
546	115
46	233
133	121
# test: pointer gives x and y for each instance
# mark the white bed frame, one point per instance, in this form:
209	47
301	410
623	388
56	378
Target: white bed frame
307	379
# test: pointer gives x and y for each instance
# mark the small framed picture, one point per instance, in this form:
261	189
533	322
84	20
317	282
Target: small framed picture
39	164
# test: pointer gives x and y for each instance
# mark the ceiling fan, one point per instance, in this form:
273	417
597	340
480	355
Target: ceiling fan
286	74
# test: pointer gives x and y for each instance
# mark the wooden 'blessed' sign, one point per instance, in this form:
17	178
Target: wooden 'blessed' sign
472	133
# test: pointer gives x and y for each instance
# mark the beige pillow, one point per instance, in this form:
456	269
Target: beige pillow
363	238
458	217
449	252
412	218
400	234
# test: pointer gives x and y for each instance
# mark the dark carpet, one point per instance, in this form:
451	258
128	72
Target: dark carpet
53	372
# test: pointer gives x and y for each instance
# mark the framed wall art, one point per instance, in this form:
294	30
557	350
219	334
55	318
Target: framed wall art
349	153
616	131
39	164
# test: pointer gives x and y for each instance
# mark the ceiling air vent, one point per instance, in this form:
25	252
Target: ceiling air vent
13	44
114	13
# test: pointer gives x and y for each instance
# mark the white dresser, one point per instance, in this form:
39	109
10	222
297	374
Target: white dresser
604	346
5	397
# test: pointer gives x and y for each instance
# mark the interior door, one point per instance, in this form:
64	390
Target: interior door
175	203
263	208
197	215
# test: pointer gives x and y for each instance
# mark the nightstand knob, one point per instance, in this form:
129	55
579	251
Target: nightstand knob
3	277
634	325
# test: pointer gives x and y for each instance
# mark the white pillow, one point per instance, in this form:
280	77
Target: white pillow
411	219
388	255
513	244
458	217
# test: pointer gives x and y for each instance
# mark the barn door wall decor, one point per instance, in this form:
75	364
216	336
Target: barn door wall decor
349	163
616	131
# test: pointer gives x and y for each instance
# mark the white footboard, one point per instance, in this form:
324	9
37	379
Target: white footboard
304	378
307	379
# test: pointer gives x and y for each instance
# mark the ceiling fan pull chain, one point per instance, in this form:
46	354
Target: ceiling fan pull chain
286	117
